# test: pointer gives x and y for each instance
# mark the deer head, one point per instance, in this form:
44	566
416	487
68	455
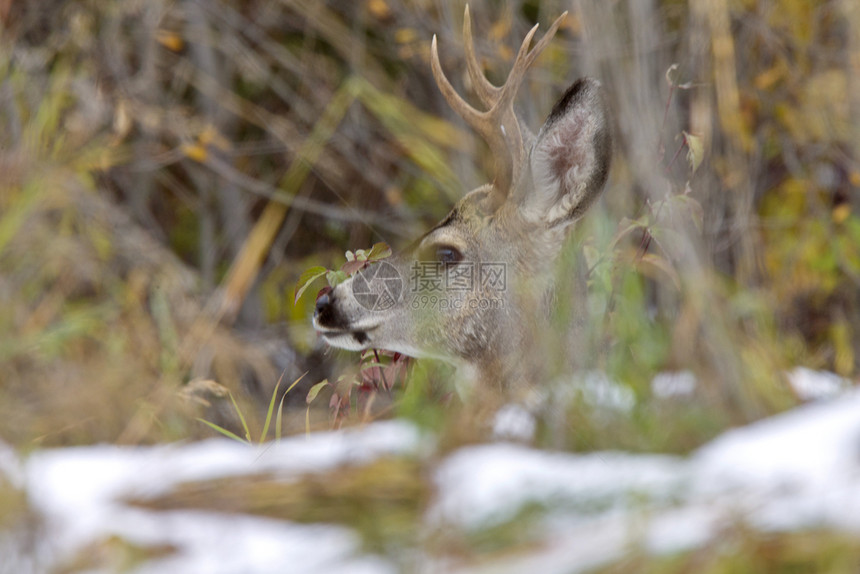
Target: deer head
473	290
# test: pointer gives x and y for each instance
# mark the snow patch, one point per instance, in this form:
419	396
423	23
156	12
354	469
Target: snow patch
514	422
813	385
674	384
797	470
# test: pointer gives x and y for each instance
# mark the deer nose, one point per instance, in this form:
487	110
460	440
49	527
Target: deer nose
322	304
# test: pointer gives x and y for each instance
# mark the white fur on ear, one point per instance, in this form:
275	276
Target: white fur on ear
570	157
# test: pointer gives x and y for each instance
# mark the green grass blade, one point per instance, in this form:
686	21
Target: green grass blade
281	406
241	418
270	409
223	431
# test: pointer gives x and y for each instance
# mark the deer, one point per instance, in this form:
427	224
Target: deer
477	287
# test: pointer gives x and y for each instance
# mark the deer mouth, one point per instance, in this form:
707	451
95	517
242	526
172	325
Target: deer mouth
349	339
337	329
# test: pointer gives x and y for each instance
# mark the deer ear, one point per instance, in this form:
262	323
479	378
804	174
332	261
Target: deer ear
570	158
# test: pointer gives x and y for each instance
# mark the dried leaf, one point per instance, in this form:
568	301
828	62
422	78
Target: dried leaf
592	255
351	267
695	150
405	35
170	40
195	151
211	136
693	208
841	212
662	264
626	227
379	9
671	74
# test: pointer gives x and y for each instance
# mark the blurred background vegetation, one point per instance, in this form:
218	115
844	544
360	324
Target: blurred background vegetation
169	168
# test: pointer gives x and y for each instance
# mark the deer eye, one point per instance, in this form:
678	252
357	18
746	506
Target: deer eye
449	255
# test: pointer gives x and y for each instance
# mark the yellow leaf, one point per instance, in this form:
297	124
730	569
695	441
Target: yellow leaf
649	263
841	212
501	28
572	24
122	122
394	195
695	151
826	113
841	337
210	135
170	40
379	9
770	77
195	151
405	35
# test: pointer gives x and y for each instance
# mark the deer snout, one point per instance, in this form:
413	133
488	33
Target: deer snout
324	311
338	326
322	304
331	313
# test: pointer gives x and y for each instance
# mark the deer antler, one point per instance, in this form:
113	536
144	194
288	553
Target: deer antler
498	125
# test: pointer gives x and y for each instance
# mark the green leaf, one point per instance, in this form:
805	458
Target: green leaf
379	251
335	278
315	390
308	277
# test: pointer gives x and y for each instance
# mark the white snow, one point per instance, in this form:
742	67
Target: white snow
796	470
214	544
484	485
514	422
79	492
811	385
673	384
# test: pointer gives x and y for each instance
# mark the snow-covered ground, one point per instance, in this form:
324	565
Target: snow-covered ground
797	470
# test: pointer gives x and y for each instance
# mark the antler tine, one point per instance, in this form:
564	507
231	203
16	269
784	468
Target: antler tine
504	104
503	109
481	122
487	92
525	58
498	125
543	42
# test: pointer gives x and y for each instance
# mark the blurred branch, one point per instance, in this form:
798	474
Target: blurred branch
324	209
243	272
338	35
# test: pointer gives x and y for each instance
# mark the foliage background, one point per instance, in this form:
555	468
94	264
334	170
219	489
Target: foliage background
168	169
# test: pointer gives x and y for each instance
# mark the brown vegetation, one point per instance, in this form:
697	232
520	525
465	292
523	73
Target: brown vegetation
168	169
